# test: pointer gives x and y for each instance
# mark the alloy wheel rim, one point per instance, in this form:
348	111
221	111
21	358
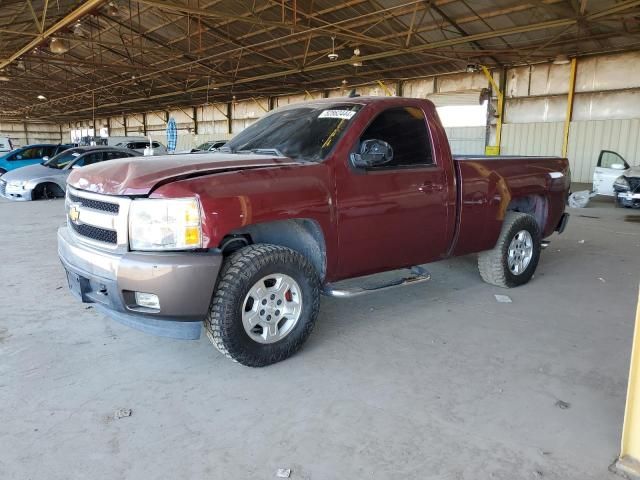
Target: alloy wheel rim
272	308
520	252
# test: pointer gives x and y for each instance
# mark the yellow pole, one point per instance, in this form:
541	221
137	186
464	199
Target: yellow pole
387	92
629	461
569	114
500	95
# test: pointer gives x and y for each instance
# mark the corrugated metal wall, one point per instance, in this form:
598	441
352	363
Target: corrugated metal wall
543	138
466	140
24	134
586	139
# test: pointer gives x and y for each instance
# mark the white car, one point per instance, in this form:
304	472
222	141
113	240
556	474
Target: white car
614	177
140	145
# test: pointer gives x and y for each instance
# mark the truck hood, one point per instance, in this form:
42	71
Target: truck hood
139	176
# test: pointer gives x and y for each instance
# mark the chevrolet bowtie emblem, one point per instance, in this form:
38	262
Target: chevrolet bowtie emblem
74	212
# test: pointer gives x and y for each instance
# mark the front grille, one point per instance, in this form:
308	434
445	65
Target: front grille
634	184
95	204
3	187
95	233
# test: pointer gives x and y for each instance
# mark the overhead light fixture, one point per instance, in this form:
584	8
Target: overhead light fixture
113	10
3	77
58	46
41	97
561	59
355	60
333	56
472	68
77	29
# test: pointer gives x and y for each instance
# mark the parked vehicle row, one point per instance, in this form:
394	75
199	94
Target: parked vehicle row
48	179
39	171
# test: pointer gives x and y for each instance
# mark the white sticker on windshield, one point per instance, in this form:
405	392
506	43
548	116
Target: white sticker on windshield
76	154
344	114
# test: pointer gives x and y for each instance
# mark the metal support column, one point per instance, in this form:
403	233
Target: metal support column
195	120
495	149
144	124
628	463
229	119
569	114
124	123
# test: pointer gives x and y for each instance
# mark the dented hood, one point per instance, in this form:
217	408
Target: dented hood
140	175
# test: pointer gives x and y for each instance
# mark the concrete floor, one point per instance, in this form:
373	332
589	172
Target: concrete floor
434	381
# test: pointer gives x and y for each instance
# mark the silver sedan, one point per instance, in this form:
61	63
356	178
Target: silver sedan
48	179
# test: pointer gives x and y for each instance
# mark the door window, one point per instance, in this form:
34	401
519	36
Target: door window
88	159
114	155
31	153
609	158
405	129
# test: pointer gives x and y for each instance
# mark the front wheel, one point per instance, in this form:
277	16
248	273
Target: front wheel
265	305
514	259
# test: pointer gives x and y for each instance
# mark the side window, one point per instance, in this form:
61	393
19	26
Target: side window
29	154
88	159
405	129
49	151
155	145
608	158
114	155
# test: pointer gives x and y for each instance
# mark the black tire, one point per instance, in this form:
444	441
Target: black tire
493	264
47	191
240	271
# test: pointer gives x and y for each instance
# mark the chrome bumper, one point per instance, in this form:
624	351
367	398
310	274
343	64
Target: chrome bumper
182	281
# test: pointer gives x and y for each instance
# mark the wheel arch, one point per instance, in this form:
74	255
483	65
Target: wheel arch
303	235
535	205
47	183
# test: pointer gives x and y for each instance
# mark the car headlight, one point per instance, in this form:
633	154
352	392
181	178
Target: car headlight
17	183
621	184
159	224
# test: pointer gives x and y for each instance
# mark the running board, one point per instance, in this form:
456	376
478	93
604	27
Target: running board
544	244
419	275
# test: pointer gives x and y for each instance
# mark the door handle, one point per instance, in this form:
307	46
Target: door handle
427	187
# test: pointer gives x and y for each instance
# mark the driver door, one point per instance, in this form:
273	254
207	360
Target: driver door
393	215
610	166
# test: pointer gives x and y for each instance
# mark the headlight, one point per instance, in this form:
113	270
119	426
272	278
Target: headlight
621	184
159	224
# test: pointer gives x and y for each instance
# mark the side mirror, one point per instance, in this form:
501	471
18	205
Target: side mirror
373	153
45	158
617	166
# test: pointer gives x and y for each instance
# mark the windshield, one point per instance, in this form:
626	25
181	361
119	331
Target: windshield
307	132
63	160
204	146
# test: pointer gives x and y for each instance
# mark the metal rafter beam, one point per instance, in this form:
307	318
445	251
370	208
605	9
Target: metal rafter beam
391	53
67	20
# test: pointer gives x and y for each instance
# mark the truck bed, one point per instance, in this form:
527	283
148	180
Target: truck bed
488	186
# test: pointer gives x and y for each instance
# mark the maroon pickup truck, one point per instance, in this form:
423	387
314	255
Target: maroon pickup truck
246	239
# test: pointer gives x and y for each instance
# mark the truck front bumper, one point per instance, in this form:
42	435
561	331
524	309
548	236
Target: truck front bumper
183	283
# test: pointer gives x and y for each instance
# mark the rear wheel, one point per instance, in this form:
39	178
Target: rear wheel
265	305
514	259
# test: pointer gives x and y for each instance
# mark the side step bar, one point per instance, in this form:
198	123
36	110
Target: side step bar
419	275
